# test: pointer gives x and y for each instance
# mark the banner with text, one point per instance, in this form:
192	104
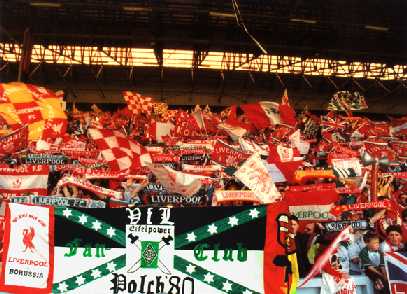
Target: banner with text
28	255
160	250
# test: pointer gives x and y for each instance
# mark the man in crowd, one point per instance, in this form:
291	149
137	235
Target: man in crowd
301	240
394	240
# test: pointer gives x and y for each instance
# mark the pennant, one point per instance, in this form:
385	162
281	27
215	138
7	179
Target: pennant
276	174
186	126
254	174
28	257
198	116
285	159
24	179
227	155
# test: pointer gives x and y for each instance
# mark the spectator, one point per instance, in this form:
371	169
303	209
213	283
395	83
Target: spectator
403	200
131	190
394	240
301	240
313	230
356	245
383	219
372	261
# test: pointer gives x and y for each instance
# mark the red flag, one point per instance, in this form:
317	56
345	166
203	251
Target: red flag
238	120
262	114
158	130
287	113
186	125
138	104
277	255
284	159
227	155
119	151
54	128
311	202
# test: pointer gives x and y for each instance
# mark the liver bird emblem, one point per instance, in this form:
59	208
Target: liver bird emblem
28	236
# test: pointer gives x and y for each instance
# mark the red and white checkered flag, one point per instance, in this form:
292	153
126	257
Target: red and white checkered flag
138	104
120	152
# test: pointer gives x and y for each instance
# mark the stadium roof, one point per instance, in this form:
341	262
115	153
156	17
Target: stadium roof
374	31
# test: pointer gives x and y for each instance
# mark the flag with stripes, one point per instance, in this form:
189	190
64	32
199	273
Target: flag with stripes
396	264
344	173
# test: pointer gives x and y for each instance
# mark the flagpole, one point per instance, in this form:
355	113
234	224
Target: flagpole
373	181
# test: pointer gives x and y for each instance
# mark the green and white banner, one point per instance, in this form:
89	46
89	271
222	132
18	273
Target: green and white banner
159	250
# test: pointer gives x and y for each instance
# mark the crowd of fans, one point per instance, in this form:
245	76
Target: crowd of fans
329	136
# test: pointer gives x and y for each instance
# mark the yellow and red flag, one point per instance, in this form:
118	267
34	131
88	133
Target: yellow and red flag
39	108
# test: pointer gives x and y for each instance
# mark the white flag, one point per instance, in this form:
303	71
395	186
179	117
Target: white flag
176	181
254	174
28	249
